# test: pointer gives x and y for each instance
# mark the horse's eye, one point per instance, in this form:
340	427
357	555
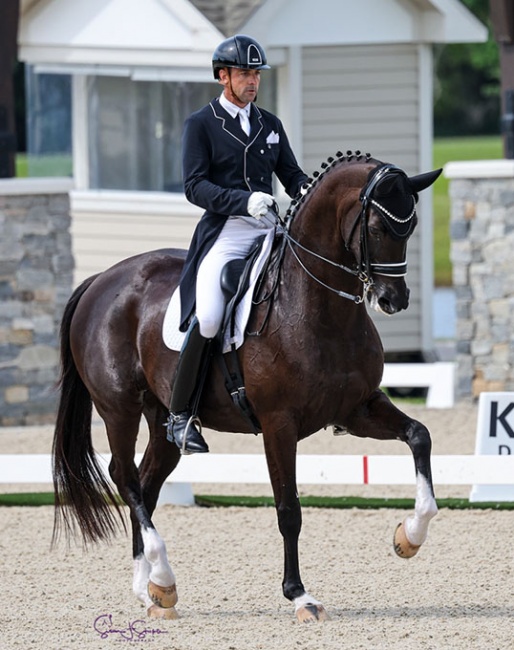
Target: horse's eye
376	233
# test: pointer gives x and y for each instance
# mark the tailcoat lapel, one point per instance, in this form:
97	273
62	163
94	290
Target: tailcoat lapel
228	123
233	126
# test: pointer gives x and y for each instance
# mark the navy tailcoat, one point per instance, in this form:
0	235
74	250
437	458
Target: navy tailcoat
222	166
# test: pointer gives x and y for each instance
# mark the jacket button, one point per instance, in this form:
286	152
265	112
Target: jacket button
262	179
262	150
248	178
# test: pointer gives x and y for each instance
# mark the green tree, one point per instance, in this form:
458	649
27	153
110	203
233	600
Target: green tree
467	83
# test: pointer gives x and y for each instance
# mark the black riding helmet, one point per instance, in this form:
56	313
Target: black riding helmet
239	51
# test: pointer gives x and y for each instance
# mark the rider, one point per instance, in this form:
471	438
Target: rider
231	149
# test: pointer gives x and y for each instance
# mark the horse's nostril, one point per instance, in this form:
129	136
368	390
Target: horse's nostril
386	306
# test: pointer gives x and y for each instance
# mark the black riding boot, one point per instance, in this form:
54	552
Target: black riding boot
183	426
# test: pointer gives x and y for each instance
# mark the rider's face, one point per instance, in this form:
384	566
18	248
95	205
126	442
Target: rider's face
240	85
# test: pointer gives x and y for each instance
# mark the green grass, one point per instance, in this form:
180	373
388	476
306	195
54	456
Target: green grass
47	499
37	166
446	150
363	503
22	166
27	499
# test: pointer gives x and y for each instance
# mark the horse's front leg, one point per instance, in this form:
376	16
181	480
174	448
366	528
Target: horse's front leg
413	531
281	458
380	419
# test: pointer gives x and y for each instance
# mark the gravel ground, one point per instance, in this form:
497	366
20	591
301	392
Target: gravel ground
457	593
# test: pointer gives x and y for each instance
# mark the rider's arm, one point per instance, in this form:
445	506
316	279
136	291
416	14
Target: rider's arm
197	159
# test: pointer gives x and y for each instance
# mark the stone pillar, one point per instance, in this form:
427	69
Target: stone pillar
36	277
482	254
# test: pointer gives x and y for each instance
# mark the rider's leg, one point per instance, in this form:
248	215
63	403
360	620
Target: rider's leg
182	428
234	241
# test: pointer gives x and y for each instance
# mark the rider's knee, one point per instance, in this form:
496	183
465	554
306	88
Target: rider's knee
209	327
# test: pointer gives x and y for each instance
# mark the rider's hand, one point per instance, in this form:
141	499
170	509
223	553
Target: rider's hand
259	204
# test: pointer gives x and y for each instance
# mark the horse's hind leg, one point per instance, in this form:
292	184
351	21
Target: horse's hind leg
380	419
154	581
151	563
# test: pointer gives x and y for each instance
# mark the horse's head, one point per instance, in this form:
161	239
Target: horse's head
375	208
387	218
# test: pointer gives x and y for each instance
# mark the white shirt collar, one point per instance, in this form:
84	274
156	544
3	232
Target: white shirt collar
232	109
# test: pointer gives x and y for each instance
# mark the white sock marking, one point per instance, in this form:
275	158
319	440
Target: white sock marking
416	525
161	573
140	580
306	599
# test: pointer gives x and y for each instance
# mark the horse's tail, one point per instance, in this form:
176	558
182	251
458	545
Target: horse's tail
81	490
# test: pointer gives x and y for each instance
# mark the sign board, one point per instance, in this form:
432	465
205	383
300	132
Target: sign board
494	436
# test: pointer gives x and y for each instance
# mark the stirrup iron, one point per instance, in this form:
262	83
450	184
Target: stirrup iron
194	419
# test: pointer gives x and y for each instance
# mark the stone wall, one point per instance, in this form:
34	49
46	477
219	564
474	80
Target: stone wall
36	277
482	253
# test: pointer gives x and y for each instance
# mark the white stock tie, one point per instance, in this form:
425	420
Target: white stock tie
245	121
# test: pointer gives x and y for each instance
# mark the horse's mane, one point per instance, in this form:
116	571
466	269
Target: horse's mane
312	182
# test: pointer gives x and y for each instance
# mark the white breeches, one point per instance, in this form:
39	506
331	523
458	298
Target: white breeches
234	241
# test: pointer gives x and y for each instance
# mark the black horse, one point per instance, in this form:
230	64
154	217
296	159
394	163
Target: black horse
317	361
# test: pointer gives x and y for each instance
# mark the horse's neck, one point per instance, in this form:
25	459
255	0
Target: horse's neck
322	236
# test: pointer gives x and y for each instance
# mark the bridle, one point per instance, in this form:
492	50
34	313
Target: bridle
366	268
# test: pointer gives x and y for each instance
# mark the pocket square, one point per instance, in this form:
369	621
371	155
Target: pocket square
273	138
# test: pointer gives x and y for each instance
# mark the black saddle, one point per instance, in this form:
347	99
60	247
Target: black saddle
235	281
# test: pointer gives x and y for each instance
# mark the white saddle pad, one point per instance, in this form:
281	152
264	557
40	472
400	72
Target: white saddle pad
174	338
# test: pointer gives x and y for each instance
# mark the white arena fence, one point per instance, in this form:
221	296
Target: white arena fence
437	377
311	470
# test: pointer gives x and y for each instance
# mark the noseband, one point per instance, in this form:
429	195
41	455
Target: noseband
366	268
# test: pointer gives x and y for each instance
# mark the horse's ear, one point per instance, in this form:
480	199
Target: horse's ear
422	181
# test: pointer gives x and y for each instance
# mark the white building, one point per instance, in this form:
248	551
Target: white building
110	83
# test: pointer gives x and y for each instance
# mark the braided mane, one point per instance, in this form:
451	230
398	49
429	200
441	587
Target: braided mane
317	176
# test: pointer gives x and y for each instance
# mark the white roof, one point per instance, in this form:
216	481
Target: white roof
117	32
174	34
280	23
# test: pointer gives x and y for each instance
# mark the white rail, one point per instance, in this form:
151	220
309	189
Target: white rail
311	470
438	377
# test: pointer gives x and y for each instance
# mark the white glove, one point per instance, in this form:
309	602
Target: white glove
259	204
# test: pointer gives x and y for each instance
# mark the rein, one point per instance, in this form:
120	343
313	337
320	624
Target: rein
367	282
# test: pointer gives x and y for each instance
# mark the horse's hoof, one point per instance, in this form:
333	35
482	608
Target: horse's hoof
167	613
164	597
402	546
312	614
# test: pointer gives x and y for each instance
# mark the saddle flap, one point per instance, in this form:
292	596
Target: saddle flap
235	275
230	276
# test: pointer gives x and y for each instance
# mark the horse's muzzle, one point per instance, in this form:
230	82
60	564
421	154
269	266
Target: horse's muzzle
389	299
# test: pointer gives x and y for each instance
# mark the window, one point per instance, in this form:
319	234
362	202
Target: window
135	130
48	98
134	127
